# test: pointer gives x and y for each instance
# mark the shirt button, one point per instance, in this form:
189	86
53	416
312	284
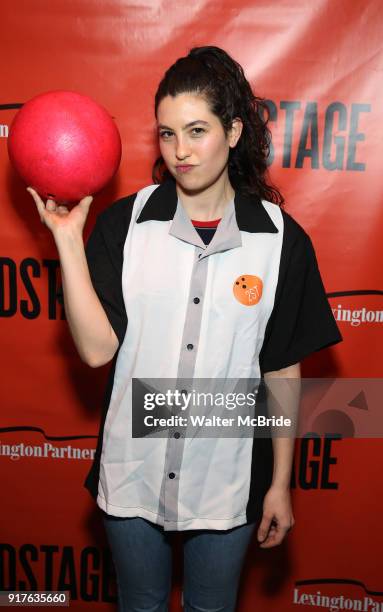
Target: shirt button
177	434
172	475
196	300
190	347
200	255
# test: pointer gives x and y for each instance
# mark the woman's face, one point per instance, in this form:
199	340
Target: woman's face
192	141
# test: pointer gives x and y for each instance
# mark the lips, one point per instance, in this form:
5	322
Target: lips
184	168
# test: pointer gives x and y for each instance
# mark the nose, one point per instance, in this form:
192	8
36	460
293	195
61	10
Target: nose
182	149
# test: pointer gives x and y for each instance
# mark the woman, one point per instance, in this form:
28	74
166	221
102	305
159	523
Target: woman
217	282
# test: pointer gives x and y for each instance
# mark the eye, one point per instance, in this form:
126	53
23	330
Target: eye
198	131
165	134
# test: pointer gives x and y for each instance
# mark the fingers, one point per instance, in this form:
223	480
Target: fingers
87	200
51	205
275	535
85	203
38	201
264	527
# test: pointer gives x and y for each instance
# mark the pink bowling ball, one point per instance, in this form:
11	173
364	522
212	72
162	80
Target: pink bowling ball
64	145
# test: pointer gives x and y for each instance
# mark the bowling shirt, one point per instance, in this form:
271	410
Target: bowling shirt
249	302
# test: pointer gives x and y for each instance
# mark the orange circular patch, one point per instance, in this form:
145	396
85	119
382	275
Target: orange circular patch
247	289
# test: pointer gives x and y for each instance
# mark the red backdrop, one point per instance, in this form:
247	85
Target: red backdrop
320	66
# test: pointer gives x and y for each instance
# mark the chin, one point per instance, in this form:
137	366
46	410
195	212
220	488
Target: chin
193	184
191	187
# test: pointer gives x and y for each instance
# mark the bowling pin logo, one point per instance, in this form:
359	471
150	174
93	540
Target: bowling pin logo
247	289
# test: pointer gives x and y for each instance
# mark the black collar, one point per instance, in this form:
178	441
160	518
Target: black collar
250	213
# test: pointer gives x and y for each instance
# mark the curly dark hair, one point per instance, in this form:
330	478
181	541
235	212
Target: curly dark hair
212	73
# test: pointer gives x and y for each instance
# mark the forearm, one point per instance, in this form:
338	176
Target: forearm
283	449
283	397
92	333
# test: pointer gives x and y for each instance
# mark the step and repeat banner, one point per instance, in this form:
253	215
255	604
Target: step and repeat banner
320	67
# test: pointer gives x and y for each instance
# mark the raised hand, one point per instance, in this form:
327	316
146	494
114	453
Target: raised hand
58	217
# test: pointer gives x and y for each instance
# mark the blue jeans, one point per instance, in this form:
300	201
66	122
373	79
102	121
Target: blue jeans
142	555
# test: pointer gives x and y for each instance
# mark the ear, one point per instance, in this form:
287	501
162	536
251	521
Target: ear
235	132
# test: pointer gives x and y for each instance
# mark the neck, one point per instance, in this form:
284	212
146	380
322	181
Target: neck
209	203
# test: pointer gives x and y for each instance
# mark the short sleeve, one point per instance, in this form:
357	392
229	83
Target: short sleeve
105	271
301	321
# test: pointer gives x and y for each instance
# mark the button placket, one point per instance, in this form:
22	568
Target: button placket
186	367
